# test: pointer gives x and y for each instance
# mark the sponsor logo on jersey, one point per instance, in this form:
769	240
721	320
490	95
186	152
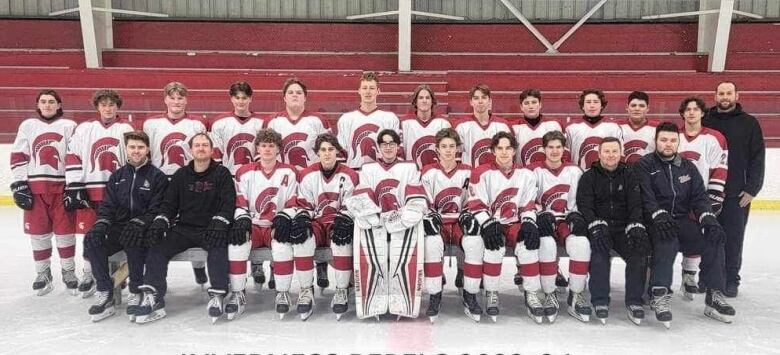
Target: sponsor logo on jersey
171	149
44	150
532	151
480	153
424	151
504	205
448	200
292	149
387	195
555	198
102	155
238	148
589	151
364	140
264	203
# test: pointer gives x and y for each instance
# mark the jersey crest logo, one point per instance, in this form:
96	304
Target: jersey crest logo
264	203
238	150
44	150
634	150
690	155
387	195
326	204
555	198
589	151
364	140
504	205
532	151
102	156
424	151
292	149
448	200
171	149
480	153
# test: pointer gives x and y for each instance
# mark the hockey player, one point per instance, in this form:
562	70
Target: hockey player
560	224
266	189
638	132
234	134
299	129
357	129
446	185
196	212
168	135
38	169
706	149
477	130
500	212
130	201
388	206
584	134
672	189
420	127
95	150
609	198
322	188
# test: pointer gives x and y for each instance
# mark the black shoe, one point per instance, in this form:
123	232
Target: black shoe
459	279
322	275
200	275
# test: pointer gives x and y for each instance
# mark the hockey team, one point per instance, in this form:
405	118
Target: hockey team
389	198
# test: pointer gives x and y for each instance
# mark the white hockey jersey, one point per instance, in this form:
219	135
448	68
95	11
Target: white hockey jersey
476	139
38	153
637	142
325	197
262	195
419	139
445	190
390	185
530	139
557	188
584	139
298	137
234	139
169	141
709	152
94	152
357	132
505	197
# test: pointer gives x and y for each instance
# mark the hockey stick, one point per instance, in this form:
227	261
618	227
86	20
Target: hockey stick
121	274
464	196
341	192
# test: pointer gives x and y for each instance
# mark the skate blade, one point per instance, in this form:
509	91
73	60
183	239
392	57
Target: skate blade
305	316
603	321
552	318
433	318
338	316
668	324
159	314
710	312
88	293
132	318
494	318
637	321
536	319
108	312
474	317
281	315
214	320
585	318
686	295
44	291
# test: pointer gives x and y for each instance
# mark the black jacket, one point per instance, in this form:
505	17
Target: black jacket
612	196
674	186
132	193
746	149
197	197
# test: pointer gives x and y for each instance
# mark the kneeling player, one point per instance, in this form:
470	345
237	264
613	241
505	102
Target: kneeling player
559	221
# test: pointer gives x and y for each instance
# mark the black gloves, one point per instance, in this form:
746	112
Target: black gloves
282	224
75	197
96	237
432	223
577	223
241	231
599	237
492	234
22	195
468	224
716	199
133	234
637	238
157	230
301	228
217	232
529	232
545	221
713	232
664	225
343	230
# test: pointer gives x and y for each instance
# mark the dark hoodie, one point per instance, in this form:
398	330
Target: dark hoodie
612	196
197	197
746	149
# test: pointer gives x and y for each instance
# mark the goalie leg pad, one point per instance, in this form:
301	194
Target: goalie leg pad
473	250
370	271
578	248
303	255
529	267
548	263
238	256
282	255
434	255
406	271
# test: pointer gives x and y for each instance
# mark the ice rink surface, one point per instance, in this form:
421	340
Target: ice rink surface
59	324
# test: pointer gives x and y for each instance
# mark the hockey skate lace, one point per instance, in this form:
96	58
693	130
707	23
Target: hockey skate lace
579	301
69	276
102	298
470	300
134	299
340	297
43	276
689	280
533	300
215	301
282	298
87	276
306	296
661	304
551	301
718	299
492	298
635	307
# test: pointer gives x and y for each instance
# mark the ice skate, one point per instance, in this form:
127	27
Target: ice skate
104	307
434	303
71	281
518	280
579	307
200	276
235	304
339	303
561	283
134	305
152	308
42	284
459	280
602	313
471	306
491	305
322	276
534	307
306	303
282	303
87	286
258	275
660	303
689	287
272	280
636	313
216	307
717	308
551	307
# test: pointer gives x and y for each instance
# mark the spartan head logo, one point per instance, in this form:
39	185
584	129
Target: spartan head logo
102	155
589	151
387	196
171	149
692	156
424	151
633	150
532	151
292	149
555	198
326	204
264	203
480	152
237	148
504	205
448	200
44	150
364	140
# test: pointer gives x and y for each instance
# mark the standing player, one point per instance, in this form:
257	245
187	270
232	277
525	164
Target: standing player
638	132
38	169
672	190
266	193
477	131
500	212
421	126
322	188
446	185
357	130
706	149
95	150
168	136
560	223
585	134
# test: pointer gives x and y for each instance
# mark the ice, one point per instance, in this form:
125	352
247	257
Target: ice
59	324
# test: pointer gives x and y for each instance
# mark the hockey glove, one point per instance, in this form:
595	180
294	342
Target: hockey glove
96	237
282	224
343	230
600	242
468	223
301	228
133	234
546	223
529	232
217	232
577	223
22	195
716	199
713	232
157	231
664	225
637	238
75	197
240	232
432	223
492	234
